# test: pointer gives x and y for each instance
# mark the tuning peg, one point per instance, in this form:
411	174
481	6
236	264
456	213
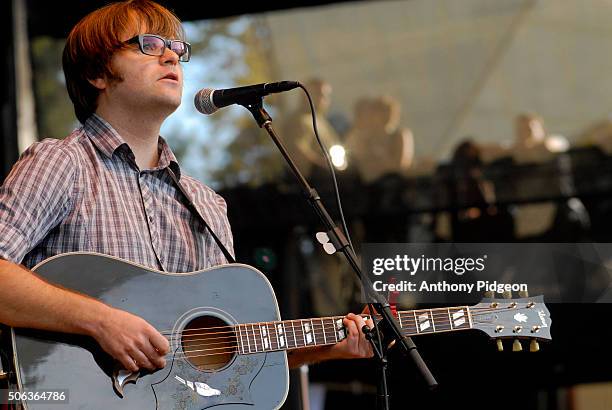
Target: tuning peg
516	346
489	294
523	293
534	346
500	345
507	294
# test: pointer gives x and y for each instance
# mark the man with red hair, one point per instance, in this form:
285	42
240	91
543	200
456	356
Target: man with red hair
109	188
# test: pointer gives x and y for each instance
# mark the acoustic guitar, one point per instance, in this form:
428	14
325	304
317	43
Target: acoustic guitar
227	341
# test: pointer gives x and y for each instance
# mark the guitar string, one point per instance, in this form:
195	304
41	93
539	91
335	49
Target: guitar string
410	313
313	323
405	312
275	339
233	348
230	349
318	331
440	319
299	334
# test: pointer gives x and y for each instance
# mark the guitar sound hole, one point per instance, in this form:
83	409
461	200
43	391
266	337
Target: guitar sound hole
209	343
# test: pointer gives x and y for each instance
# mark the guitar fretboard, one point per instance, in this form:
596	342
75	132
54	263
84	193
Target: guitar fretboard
293	334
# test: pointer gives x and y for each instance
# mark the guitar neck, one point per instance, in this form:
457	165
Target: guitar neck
300	333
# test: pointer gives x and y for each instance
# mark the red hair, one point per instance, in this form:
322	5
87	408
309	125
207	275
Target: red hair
93	41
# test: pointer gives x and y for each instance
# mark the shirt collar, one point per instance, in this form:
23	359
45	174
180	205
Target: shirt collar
167	158
103	135
108	141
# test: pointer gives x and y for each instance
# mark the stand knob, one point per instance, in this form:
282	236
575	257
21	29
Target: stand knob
516	346
534	346
325	241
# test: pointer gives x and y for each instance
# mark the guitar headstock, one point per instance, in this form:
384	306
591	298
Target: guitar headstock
523	318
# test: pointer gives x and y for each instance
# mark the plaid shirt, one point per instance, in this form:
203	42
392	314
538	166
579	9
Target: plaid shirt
86	193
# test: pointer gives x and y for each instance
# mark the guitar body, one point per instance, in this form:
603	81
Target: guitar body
225	295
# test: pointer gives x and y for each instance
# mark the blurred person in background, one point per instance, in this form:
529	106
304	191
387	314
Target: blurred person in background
298	134
376	145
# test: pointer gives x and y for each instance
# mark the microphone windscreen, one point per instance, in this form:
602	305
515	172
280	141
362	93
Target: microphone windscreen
203	101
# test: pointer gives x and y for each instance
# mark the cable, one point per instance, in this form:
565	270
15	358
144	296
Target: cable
331	168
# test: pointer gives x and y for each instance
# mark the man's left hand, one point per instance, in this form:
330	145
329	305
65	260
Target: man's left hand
355	346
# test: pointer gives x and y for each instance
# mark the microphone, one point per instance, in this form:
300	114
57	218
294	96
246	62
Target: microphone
207	100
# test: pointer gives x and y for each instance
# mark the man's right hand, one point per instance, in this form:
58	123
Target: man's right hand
28	301
131	340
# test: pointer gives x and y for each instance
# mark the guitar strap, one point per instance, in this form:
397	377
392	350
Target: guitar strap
192	208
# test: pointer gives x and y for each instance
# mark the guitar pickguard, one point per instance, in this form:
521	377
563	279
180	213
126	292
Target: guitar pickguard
187	387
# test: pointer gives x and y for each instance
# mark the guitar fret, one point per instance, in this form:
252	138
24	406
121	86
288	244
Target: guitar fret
241	342
270	339
330	328
251	334
303	332
334	329
280	333
246	330
441	324
254	337
424	323
469	315
450	319
416	321
264	337
408	323
323	327
239	338
270	336
285	333
339	328
458	318
294	339
276	335
307	332
273	336
313	332
433	322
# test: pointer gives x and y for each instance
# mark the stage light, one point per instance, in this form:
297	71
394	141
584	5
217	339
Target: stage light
338	156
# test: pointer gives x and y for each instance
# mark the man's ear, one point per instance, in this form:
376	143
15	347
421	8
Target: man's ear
99	83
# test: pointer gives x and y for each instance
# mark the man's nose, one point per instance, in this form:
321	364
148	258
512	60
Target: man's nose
169	57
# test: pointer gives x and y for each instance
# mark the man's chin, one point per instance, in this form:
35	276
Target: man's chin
170	104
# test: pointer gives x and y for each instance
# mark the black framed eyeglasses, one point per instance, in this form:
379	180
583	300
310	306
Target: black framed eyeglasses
154	45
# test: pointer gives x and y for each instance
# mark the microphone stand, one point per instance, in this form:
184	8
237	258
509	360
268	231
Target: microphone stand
337	238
